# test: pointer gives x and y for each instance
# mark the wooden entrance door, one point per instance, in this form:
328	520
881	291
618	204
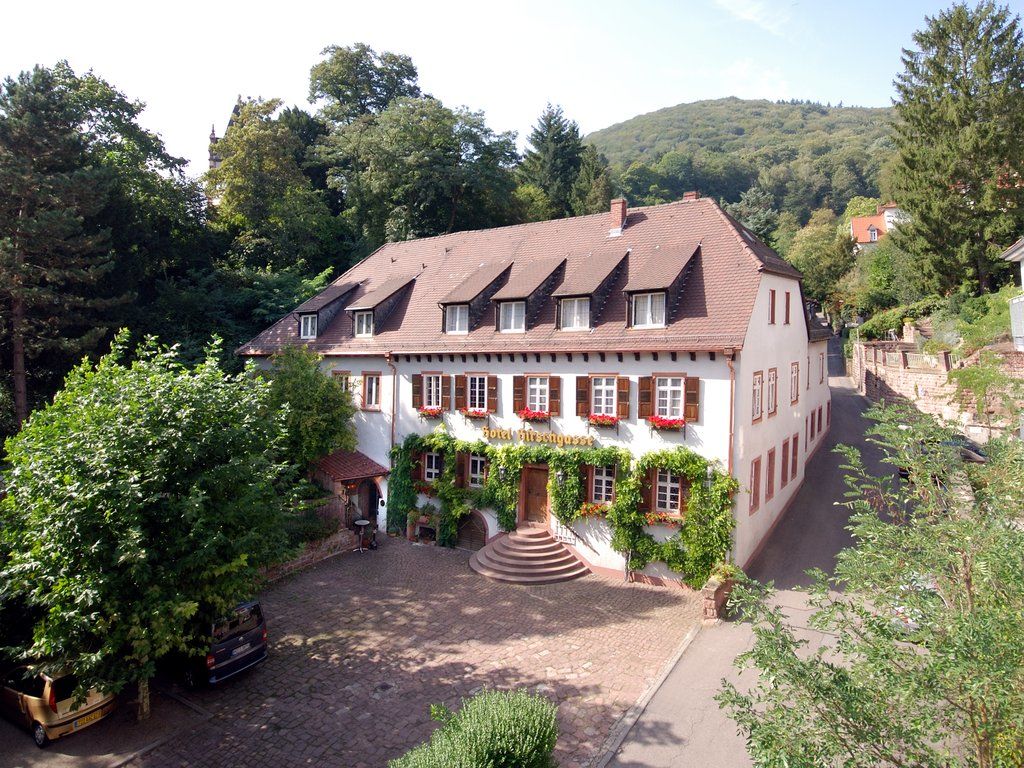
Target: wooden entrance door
536	495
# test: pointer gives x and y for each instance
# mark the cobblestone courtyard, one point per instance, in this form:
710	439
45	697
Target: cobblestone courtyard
361	645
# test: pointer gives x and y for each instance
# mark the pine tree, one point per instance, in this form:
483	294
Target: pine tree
592	192
960	137
51	254
553	159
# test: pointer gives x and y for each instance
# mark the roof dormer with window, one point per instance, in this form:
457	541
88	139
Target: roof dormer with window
317	313
464	306
584	292
654	291
520	300
371	310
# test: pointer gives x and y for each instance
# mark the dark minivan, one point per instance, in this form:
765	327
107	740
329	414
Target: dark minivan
237	642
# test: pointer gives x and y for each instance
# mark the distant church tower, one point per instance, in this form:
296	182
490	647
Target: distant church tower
215	157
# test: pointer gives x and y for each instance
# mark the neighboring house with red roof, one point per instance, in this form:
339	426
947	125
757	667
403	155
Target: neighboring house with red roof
868	230
673	312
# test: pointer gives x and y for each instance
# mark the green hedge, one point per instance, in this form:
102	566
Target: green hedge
494	729
881	323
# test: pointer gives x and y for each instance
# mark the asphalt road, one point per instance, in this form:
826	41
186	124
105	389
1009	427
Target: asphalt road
682	724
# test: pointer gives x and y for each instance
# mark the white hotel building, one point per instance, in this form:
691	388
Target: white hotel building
674	310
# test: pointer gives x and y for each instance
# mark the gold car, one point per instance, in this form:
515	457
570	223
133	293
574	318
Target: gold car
47	704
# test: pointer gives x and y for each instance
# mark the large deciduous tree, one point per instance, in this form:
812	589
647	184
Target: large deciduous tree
922	621
553	158
960	138
823	251
140	501
355	81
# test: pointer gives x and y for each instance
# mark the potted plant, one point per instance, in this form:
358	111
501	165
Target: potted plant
431	413
715	592
666	423
411	519
474	413
527	415
602	420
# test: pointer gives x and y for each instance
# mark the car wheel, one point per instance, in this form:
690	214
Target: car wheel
39	735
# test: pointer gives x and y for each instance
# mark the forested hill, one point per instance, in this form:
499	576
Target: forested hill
807	155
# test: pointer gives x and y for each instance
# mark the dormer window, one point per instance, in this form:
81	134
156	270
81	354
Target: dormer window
513	317
575	314
307	327
873	235
456	318
649	310
364	324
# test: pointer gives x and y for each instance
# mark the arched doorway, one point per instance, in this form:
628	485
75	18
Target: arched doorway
472	533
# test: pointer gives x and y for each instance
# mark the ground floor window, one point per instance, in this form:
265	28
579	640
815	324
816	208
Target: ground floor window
431	466
432	390
371	391
602	488
669	399
477	470
667	491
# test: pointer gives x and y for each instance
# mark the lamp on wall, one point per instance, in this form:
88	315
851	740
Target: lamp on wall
560	477
501	474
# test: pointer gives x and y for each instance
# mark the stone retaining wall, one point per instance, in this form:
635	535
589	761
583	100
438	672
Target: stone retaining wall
342	541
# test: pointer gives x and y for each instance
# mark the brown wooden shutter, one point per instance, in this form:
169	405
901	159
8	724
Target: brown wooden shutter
558	314
461	462
622	397
492	394
691	406
446	393
583	396
647	491
417	466
518	393
417	391
645	406
587	471
555	395
460	392
684	494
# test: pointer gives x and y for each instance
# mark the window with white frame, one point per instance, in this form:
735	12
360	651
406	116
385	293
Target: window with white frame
307	327
649	310
773	391
603	486
873	235
431	466
477	393
477	470
343	379
537	393
668	399
513	317
364	323
456	318
602	395
575	314
667	491
371	391
794	382
757	395
432	390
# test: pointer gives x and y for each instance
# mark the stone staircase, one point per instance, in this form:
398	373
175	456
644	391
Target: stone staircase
528	555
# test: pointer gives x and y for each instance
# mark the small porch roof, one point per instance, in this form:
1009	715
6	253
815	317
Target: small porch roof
346	466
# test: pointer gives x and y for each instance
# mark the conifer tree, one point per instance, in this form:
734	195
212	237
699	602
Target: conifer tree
592	192
553	159
960	137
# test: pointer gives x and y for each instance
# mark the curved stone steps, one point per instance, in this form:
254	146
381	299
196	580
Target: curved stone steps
529	555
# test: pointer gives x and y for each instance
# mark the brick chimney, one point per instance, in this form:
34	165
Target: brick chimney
618	219
694	195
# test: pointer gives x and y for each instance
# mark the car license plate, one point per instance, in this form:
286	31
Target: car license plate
241	649
92	717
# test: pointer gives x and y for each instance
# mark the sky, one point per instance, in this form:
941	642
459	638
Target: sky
603	61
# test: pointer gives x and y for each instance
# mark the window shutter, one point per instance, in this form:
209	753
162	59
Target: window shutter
646	401
417	466
691	408
518	393
417	391
587	472
583	396
622	397
461	462
647	491
492	394
446	393
684	494
460	392
555	395
558	314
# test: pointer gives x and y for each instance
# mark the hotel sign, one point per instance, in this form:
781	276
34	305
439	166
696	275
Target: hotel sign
530	436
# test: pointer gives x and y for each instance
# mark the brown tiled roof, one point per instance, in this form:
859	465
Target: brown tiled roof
817	330
713	312
345	466
381	293
335	290
527	277
861	224
590	272
475	283
661	268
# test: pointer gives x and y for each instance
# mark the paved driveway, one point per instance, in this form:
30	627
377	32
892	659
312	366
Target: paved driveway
682	724
365	643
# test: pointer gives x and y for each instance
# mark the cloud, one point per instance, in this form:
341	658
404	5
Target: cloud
762	13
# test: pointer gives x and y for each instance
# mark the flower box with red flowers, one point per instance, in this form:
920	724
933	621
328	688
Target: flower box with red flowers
593	509
527	415
663	518
422	486
602	420
474	413
431	413
663	422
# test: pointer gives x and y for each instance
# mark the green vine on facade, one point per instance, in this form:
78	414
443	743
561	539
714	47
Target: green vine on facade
701	543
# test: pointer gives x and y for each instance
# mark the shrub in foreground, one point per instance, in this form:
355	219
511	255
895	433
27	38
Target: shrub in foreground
494	729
